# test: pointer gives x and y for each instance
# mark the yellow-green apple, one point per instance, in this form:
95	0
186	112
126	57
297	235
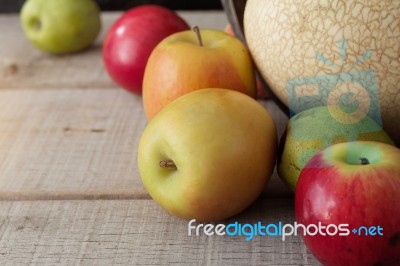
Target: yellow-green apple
192	60
317	128
61	26
132	37
261	93
208	154
351	192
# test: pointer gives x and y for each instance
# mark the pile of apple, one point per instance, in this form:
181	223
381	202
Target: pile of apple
344	169
210	148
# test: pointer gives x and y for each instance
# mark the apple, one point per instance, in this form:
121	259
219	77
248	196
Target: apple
208	155
318	128
261	93
192	60
228	29
61	26
358	184
130	40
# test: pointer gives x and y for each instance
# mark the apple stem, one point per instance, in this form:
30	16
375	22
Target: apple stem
364	161
197	31
169	164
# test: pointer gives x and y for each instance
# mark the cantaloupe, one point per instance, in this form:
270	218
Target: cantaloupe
330	52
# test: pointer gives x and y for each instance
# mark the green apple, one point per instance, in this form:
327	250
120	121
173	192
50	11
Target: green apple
318	128
61	26
208	154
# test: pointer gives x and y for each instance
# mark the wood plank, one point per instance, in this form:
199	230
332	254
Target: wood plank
136	232
69	143
23	66
67	132
78	144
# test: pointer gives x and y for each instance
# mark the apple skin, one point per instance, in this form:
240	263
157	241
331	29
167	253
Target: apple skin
61	26
223	144
130	40
261	93
317	128
179	65
334	188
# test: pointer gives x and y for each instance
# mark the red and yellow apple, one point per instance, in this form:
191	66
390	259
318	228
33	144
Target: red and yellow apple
261	93
358	184
130	40
208	155
188	61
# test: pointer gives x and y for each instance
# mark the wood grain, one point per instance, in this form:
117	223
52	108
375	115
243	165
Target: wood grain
24	66
136	232
67	132
70	191
77	144
69	143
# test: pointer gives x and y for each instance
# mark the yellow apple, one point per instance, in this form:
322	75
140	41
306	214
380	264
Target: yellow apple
208	155
190	60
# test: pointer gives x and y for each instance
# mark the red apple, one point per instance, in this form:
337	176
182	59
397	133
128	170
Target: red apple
228	29
354	188
130	40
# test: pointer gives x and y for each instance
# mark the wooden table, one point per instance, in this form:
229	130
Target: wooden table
69	185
